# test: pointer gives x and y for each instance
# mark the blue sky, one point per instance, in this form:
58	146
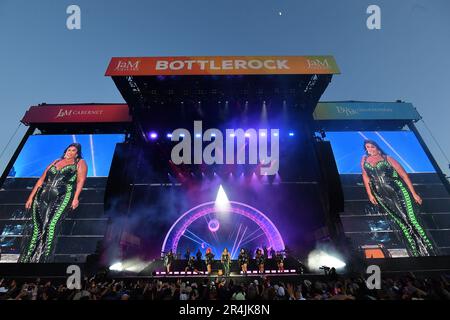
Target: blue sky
42	61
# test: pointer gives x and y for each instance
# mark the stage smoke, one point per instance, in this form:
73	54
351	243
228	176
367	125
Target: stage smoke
116	267
132	265
320	258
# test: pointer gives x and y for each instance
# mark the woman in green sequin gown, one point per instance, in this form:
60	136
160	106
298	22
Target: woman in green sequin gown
55	193
388	185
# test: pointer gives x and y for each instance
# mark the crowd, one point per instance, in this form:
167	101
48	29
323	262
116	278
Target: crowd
402	288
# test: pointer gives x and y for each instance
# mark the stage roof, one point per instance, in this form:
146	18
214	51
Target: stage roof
221	65
159	88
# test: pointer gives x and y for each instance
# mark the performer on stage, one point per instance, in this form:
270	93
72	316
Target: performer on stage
243	261
199	255
388	185
187	254
260	260
209	256
191	265
280	261
168	260
272	253
226	262
266	253
54	194
199	260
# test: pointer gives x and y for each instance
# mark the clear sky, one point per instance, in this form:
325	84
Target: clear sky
408	59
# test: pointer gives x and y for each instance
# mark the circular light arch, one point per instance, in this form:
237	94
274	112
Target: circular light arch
177	230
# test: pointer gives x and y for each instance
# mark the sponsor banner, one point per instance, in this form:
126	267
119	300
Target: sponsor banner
365	111
77	113
232	65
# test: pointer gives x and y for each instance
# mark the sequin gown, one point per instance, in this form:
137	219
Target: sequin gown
397	201
50	204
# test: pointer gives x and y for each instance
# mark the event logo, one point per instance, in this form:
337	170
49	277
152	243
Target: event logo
318	64
127	65
348	111
251	140
70	112
235	64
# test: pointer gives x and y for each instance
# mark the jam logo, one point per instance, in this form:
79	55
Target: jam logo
127	65
321	64
62	113
252	142
346	110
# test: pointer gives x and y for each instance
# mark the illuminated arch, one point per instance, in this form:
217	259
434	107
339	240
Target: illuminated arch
177	230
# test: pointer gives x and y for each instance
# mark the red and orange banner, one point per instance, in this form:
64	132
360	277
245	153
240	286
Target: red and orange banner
221	65
77	113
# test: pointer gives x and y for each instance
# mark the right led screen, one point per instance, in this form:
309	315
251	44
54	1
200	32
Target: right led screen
404	210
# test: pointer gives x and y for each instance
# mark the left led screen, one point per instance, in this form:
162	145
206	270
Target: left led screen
41	150
75	233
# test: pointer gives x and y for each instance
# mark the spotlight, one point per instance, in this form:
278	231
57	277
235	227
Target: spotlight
153	135
169	135
319	258
232	135
198	135
116	266
213	135
182	135
247	135
291	134
275	134
222	203
262	134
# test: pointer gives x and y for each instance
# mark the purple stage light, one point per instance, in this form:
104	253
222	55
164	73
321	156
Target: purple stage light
291	134
270	231
213	225
153	135
169	135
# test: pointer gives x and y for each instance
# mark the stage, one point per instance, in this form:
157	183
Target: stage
200	160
